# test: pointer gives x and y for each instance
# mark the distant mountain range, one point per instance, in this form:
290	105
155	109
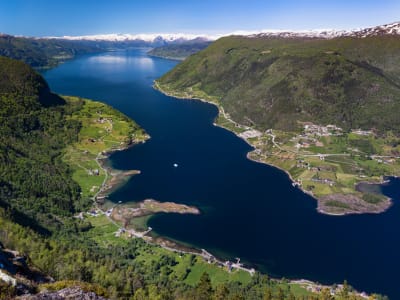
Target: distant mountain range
167	38
388	29
48	51
148	38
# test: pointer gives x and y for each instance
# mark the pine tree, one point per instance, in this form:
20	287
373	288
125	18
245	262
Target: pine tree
221	292
204	289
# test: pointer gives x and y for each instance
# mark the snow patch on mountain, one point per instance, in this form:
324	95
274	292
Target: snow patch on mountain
146	37
388	29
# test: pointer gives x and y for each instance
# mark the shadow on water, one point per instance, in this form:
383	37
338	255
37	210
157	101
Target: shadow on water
249	210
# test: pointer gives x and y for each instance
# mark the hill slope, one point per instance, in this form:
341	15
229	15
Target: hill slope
280	93
43	52
34	130
273	82
179	51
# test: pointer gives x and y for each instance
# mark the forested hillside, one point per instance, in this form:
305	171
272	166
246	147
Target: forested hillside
43	52
179	51
34	130
274	82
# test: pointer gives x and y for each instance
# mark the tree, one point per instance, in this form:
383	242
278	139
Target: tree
344	293
221	292
281	294
140	294
267	294
204	289
325	294
7	291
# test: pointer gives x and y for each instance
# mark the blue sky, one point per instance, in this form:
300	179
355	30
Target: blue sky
81	17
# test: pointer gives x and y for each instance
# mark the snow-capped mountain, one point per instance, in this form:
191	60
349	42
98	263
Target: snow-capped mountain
150	38
388	29
168	38
317	33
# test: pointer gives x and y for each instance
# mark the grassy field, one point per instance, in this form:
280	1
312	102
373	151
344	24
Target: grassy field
103	130
187	268
333	165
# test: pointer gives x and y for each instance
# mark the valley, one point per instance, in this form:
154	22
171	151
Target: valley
91	204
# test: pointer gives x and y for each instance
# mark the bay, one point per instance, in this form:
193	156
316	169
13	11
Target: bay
249	210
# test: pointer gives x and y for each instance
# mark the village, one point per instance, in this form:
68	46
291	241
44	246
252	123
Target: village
326	161
123	232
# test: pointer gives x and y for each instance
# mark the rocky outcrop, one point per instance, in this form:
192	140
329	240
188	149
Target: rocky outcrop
75	293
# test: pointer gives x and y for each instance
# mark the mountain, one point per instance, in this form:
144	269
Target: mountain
179	51
276	81
18	79
34	129
49	51
176	38
145	40
388	29
42	52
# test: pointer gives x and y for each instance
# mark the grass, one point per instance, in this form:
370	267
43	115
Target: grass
218	275
103	231
140	223
339	204
103	129
372	198
184	267
343	166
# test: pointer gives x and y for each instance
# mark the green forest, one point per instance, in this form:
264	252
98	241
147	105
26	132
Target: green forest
43	53
179	51
273	82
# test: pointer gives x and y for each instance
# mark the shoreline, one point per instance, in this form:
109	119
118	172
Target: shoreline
180	59
221	111
101	160
309	285
113	174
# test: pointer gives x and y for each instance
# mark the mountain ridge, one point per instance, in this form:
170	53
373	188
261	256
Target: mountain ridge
264	79
388	29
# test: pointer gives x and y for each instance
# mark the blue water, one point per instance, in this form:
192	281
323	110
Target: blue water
249	210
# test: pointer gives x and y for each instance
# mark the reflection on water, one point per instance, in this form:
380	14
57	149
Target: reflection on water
145	63
120	61
107	59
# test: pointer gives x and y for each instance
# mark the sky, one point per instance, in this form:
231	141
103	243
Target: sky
86	17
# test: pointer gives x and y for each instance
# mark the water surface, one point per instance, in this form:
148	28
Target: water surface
249	210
